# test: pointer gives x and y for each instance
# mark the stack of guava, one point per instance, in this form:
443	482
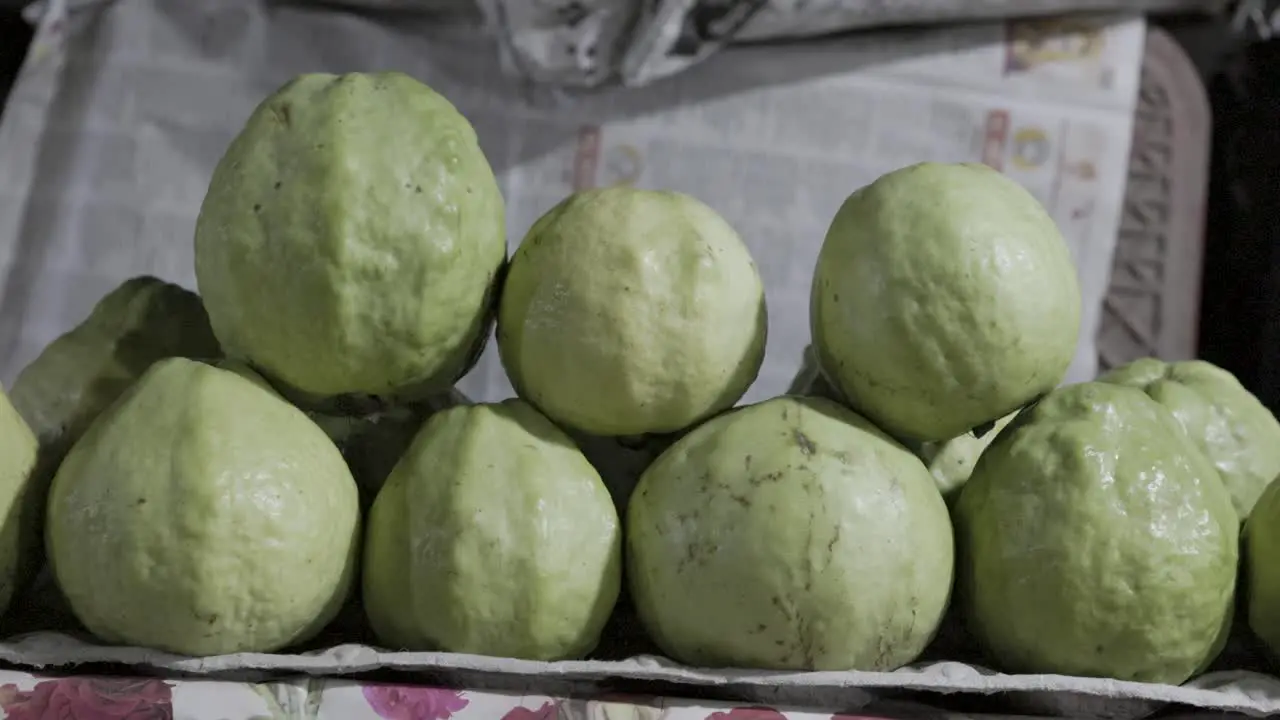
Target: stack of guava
225	472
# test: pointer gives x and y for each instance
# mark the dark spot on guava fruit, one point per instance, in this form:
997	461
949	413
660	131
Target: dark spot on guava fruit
741	500
257	207
417	189
277	185
761	628
283	113
142	501
1099	649
747	461
806	445
836	297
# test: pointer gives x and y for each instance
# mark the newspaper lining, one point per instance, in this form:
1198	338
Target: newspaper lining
116	123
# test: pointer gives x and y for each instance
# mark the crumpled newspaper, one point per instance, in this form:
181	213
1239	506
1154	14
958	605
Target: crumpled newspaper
592	43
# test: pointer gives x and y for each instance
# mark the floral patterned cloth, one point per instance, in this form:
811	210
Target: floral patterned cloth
24	696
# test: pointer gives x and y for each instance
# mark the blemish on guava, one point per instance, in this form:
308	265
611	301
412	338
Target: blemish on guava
142	501
277	185
806	445
257	207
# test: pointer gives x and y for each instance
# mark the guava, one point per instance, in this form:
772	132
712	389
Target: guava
790	535
1096	540
351	238
202	514
1261	568
19	540
492	535
630	312
621	460
83	371
944	298
1234	430
373	443
951	462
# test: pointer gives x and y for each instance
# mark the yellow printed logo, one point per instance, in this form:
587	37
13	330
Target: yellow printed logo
1041	42
1031	148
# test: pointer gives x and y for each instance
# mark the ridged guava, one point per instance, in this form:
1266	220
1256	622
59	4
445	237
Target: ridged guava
202	514
944	298
628	312
1095	539
83	371
1234	430
791	534
492	535
351	238
19	537
1262	568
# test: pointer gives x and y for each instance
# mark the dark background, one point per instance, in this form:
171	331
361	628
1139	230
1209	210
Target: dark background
1240	296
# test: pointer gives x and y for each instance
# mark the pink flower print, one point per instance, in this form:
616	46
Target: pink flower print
548	711
405	702
91	698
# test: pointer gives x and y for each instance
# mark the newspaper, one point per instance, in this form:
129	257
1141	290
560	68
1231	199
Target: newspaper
579	43
121	113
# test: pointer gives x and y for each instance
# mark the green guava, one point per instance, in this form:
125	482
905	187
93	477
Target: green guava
80	373
791	534
1234	430
493	535
951	462
19	536
1094	539
351	238
621	460
202	514
944	298
1262	572
629	312
372	444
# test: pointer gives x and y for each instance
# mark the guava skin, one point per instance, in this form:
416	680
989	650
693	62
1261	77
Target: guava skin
19	544
1234	430
789	535
631	312
944	297
1261	550
1095	540
492	535
351	238
201	514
